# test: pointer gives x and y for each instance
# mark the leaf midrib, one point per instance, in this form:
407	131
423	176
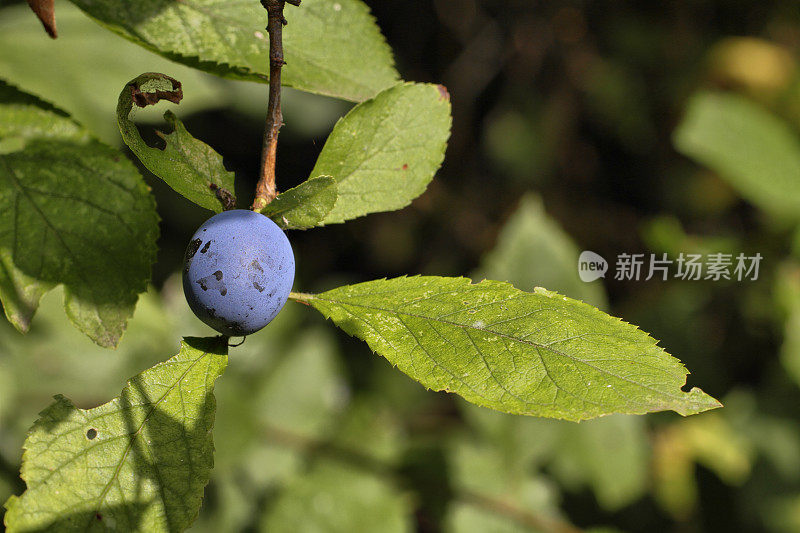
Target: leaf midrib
538	346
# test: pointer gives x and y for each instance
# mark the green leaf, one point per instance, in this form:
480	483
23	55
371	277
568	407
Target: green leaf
305	206
754	151
24	116
537	353
330	48
73	212
532	250
19	293
139	462
610	454
337	498
490	496
385	151
191	167
92	62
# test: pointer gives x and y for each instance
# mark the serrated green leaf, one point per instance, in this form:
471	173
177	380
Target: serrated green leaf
305	206
538	353
532	250
754	151
81	216
385	151
191	167
139	462
73	212
330	48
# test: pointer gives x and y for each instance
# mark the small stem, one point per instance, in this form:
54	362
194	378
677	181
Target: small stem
265	188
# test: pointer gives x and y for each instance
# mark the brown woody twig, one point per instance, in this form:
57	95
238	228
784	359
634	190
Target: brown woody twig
265	188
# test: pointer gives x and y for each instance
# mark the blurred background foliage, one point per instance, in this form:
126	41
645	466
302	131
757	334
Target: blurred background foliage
564	119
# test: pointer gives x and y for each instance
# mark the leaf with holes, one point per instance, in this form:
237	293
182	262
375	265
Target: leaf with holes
191	167
331	48
385	151
74	212
305	206
537	353
137	463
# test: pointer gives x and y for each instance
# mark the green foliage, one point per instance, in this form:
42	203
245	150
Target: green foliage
186	164
788	297
486	484
297	451
138	462
335	49
533	251
525	353
337	499
92	63
384	153
305	206
96	235
757	153
23	117
610	455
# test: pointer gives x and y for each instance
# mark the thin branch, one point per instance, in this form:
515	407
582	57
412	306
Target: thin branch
265	188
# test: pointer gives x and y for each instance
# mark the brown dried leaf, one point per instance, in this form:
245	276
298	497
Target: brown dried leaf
45	10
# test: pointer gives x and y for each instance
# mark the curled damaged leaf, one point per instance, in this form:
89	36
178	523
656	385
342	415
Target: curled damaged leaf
188	165
45	10
142	97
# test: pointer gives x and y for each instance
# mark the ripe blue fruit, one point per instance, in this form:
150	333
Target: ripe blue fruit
238	272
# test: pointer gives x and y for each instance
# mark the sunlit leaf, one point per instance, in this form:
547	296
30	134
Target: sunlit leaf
534	353
93	63
331	48
138	462
384	153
